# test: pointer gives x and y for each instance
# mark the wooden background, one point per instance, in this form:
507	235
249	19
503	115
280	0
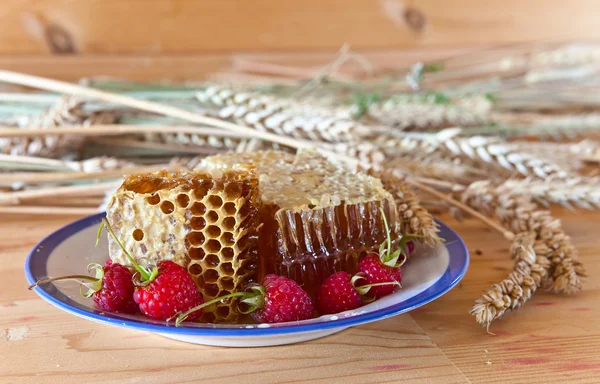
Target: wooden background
221	26
186	39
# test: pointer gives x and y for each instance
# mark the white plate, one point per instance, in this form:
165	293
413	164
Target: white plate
70	249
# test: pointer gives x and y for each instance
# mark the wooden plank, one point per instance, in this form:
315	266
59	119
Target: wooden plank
189	26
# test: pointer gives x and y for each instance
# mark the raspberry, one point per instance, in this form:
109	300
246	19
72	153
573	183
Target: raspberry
374	272
284	300
337	294
278	300
116	294
171	292
112	289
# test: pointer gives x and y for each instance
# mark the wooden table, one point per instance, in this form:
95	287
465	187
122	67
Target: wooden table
552	339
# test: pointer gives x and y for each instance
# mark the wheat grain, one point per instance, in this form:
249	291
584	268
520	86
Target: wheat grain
437	166
67	111
414	218
569	193
519	214
528	274
285	117
430	114
569	156
476	150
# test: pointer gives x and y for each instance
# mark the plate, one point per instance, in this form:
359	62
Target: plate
433	272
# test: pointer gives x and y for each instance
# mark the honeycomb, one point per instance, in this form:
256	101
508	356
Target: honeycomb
317	216
204	221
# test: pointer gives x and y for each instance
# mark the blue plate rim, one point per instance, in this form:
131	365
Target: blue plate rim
457	268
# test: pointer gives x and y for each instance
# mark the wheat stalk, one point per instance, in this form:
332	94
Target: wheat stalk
569	156
520	214
476	150
48	210
437	166
414	219
431	112
67	111
529	272
14	198
284	116
580	192
556	266
148	106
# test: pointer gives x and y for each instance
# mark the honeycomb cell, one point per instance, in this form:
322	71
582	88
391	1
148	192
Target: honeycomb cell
196	238
229	223
212	217
167	207
227	269
230	208
202	189
211	290
153	199
183	200
222	311
227	238
197	223
198	209
195	269
227	283
212	260
138	234
200	281
196	253
213	231
233	191
227	253
215	201
211	276
212	246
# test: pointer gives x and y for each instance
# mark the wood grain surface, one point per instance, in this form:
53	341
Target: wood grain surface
213	26
553	339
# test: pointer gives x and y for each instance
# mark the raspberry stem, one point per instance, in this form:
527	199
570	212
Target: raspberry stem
249	298
68	277
144	273
364	289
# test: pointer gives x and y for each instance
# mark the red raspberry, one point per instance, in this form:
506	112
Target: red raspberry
171	292
116	294
112	289
284	300
375	272
278	300
337	294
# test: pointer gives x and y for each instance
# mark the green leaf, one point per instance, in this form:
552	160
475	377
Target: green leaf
490	96
100	228
93	286
433	67
440	98
363	102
